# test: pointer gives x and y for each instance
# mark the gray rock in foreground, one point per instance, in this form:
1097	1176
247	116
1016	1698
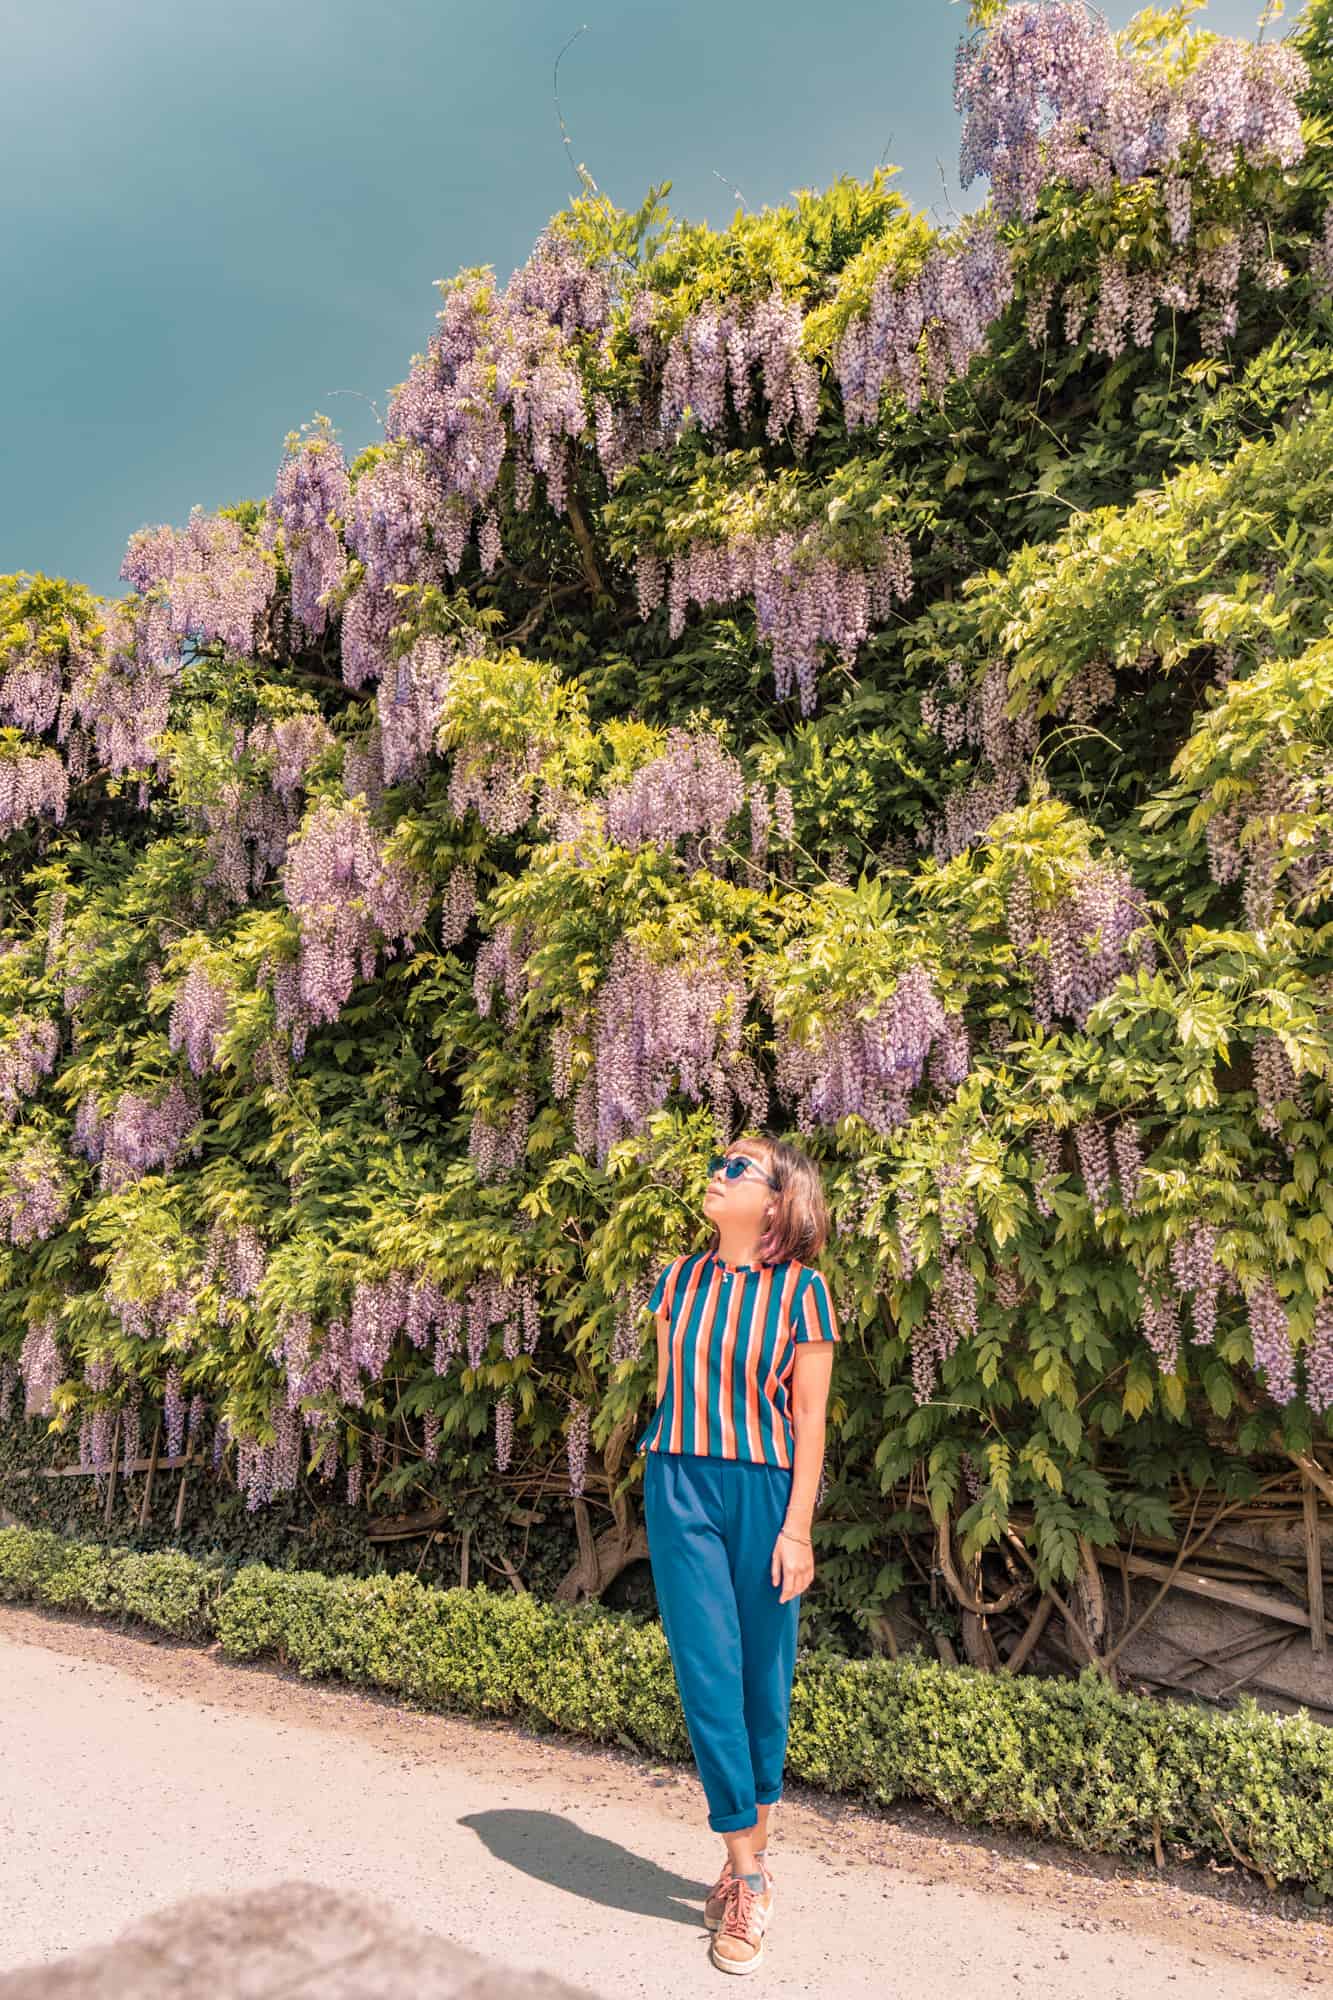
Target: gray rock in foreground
297	1941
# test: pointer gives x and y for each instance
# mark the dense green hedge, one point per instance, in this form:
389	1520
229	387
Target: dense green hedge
1071	1761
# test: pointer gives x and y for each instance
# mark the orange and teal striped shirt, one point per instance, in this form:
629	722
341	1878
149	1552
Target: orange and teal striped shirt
731	1350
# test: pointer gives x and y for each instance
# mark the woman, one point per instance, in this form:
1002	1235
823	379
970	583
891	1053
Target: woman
732	1461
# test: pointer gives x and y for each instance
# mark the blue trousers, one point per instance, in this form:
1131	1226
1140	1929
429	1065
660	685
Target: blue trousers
711	1525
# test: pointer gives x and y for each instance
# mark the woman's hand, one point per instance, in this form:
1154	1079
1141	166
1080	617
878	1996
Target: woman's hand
793	1566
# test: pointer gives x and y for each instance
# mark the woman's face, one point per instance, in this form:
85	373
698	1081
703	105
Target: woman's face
740	1204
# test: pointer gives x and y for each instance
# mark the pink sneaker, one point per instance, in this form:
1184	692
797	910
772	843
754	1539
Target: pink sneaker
717	1895
738	1942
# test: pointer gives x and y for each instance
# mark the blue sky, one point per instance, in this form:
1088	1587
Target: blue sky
221	219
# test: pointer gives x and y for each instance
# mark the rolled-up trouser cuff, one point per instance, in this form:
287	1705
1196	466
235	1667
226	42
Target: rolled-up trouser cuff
768	1798
733	1822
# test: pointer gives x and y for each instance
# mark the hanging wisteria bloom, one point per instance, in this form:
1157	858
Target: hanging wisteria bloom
499	1150
249	820
1128	1150
36	1192
658	1028
954	298
806	594
499	784
410	701
950	1317
977	716
867	1065
504	1428
1196	1270
1318	1357
627	1339
311	499
213	584
1271	1336
576	1444
1047	95
238	1256
347	898
724	344
501	965
40	1365
33	785
397	527
31	683
501	377
695	787
1094	1161
143	1133
1095	931
198	1017
27	1054
121	692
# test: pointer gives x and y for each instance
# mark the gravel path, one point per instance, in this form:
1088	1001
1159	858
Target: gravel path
137	1772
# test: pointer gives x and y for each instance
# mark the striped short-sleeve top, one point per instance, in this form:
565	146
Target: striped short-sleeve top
734	1329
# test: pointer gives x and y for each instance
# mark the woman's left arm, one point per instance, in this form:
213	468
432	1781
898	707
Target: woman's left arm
812	1373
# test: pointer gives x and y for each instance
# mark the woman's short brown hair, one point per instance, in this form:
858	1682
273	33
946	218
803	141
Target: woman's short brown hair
799	1228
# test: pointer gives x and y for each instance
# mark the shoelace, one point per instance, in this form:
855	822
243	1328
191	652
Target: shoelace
719	1887
740	1904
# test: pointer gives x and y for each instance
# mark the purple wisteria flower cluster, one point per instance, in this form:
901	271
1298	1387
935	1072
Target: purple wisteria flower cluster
397	507
1046	95
1049	99
249	820
499	784
237	1257
499	1150
355	1352
1196	1270
576	1444
33	784
695	788
410	702
41	1365
139	1134
27	1054
1276	835
1159	1323
501	966
1275	1083
206	583
311	500
501	378
867	1066
1270	1333
1318	1359
721	346
952	299
950	1317
36	1193
347	898
31	682
1095	932
977	716
806	596
198	1017
661	1027
120	694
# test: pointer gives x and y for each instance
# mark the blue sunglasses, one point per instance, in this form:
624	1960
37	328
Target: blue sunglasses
735	1165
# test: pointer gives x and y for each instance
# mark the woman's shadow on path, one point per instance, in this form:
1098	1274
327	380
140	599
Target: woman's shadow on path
554	1849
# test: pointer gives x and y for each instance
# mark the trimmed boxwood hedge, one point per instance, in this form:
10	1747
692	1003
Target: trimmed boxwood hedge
1069	1760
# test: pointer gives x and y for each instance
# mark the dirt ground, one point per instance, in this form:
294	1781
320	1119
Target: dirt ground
138	1771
